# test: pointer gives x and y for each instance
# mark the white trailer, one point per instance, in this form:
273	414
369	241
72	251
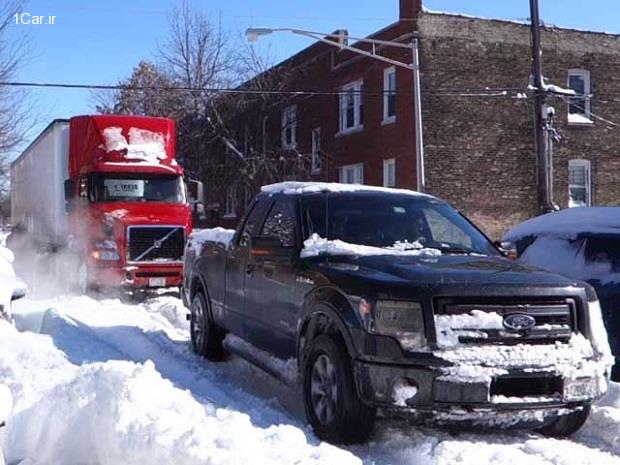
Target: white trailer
37	185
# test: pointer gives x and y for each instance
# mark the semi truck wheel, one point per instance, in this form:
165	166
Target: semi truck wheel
566	425
207	339
332	405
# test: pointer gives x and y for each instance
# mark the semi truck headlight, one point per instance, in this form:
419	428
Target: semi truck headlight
400	319
106	255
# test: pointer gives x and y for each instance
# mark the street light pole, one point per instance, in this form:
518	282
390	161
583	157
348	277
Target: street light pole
253	34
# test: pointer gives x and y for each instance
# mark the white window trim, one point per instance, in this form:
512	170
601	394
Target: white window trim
355	167
586	118
386	172
387	119
230	206
588	166
292	109
358	101
316	152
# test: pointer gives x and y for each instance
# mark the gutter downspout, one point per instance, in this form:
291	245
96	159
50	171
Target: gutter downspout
417	110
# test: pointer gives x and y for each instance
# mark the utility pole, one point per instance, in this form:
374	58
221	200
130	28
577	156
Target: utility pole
540	115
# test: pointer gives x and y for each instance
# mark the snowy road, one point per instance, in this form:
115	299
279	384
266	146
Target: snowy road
110	383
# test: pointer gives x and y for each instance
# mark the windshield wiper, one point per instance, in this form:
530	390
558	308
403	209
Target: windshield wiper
457	250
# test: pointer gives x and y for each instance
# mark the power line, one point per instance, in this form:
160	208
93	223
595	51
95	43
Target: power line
452	92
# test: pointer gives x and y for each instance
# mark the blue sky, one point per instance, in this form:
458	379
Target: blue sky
96	42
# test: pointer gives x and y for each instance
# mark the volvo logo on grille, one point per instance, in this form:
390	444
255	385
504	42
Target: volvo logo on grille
518	322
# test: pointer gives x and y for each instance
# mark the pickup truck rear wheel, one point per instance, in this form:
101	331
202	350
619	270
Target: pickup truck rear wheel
332	405
566	425
207	339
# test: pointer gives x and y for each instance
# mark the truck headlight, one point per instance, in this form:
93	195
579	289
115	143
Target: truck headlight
402	320
106	255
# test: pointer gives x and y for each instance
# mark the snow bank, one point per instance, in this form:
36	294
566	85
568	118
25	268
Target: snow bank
294	187
316	245
8	282
122	412
218	235
143	145
569	223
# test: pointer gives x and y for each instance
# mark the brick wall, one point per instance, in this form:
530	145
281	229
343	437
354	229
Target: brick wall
480	149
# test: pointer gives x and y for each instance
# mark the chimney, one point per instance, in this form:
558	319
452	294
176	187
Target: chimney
409	9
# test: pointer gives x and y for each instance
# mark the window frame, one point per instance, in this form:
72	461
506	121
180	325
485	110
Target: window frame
292	123
386	174
317	142
284	200
387	93
581	163
358	168
358	107
586	116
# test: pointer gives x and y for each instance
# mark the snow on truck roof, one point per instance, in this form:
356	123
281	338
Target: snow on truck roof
569	223
295	187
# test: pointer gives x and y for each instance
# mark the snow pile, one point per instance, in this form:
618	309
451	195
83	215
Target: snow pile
569	223
402	393
217	235
114	411
9	283
143	145
294	187
316	245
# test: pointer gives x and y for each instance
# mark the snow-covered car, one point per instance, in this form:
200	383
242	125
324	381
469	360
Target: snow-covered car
390	299
11	287
584	244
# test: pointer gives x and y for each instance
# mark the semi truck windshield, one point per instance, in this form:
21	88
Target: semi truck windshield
122	188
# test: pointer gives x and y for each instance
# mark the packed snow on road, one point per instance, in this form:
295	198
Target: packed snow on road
112	383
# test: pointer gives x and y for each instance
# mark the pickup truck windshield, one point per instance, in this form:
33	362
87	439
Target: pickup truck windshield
123	188
380	220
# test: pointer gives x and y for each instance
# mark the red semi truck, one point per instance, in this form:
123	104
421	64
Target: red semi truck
107	193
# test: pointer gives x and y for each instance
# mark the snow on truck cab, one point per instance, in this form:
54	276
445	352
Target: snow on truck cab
389	299
107	190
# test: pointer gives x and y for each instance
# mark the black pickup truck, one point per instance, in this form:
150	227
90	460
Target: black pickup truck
393	300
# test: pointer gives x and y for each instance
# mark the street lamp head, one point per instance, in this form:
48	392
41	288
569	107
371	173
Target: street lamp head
254	33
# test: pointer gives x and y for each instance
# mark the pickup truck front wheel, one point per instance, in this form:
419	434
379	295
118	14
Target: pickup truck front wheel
332	405
207	339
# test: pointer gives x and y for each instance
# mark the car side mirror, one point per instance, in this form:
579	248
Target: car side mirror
270	248
69	195
507	249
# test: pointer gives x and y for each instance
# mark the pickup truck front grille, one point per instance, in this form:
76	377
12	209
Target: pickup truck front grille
556	320
155	243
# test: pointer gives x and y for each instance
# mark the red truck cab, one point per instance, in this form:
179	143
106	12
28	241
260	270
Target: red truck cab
128	211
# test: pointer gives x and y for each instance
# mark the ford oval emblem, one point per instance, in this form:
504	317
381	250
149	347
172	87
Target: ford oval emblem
519	322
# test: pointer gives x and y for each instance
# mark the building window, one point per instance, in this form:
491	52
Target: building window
579	183
579	105
389	173
389	95
289	127
231	203
316	151
352	174
352	107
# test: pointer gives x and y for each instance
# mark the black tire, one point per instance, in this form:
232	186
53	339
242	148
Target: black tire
207	339
566	425
350	421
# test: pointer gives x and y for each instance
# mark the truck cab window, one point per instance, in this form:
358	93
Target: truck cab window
280	223
144	188
251	223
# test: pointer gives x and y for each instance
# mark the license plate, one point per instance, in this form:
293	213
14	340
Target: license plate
579	389
157	282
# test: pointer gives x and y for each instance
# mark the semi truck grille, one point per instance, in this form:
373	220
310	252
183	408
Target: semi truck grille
155	244
552	320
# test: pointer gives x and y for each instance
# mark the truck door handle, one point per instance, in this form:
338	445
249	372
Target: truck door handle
249	269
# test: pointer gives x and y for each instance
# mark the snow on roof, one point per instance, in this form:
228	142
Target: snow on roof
295	187
569	223
143	145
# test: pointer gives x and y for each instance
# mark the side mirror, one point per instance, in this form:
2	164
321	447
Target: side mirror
507	249
69	195
270	248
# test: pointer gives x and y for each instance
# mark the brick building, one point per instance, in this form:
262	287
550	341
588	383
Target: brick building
477	117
